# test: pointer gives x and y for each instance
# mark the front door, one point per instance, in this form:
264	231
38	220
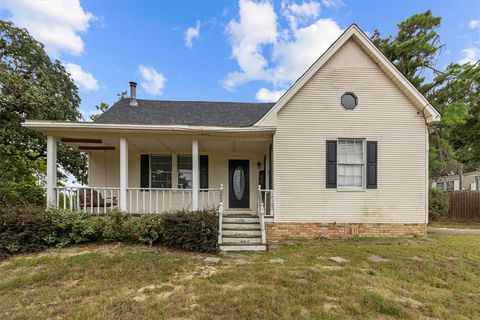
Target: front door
238	184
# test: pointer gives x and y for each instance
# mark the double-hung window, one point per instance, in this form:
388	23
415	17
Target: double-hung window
161	171
351	163
450	185
440	186
184	164
158	171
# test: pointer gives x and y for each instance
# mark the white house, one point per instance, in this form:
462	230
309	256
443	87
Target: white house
453	182
344	152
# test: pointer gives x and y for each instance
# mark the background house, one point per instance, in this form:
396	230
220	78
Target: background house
470	181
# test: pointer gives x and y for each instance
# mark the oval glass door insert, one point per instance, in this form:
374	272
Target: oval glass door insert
238	182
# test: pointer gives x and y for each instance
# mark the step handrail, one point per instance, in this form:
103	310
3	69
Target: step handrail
220	216
261	212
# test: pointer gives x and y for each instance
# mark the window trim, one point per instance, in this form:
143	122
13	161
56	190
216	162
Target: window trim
351	94
363	188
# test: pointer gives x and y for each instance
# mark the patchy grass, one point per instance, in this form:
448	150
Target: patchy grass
455	224
423	279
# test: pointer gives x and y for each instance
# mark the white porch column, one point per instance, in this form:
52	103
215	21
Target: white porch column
51	170
195	174
123	173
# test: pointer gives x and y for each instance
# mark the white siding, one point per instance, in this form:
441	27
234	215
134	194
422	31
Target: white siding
384	114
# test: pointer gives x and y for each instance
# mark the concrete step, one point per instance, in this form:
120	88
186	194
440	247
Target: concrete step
240	226
237	233
243	247
240	220
247	213
242	239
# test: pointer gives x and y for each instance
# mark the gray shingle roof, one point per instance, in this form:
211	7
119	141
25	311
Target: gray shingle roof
200	113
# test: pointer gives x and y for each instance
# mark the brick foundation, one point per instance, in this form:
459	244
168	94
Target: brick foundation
276	231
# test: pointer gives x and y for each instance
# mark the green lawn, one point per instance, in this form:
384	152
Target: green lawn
430	278
455	224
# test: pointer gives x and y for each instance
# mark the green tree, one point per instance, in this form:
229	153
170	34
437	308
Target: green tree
459	99
102	107
32	86
414	50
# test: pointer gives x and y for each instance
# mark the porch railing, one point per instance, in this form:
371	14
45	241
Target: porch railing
87	199
264	208
139	200
158	200
266	201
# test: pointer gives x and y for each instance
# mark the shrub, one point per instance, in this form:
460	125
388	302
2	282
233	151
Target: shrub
26	229
71	227
438	206
148	228
118	226
195	231
14	194
23	229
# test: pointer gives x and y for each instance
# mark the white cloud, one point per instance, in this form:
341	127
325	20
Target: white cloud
57	24
191	34
470	55
84	80
153	81
332	3
266	95
256	26
474	24
294	56
265	53
300	13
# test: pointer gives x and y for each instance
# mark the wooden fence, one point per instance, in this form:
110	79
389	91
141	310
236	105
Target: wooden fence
464	205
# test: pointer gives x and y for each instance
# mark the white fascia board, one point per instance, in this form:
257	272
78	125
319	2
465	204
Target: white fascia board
46	125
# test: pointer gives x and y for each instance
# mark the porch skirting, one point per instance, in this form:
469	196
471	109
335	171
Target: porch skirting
277	231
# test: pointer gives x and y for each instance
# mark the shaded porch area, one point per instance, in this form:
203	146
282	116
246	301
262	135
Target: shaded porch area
155	172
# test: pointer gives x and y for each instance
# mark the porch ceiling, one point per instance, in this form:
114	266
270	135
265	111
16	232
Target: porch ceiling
88	136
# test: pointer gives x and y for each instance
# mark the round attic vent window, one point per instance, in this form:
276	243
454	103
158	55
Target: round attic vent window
349	100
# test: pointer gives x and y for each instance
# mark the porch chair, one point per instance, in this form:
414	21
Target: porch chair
89	198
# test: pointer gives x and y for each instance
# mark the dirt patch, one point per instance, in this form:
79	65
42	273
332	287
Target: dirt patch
71	284
409	302
28	269
330	268
149	287
164	295
199	272
140	298
330	306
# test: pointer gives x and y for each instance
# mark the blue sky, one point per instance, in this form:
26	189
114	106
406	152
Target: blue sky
215	50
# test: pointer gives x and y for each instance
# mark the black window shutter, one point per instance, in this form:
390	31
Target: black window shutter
372	158
144	171
203	172
331	170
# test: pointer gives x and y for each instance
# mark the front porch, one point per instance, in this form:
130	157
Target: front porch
158	172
